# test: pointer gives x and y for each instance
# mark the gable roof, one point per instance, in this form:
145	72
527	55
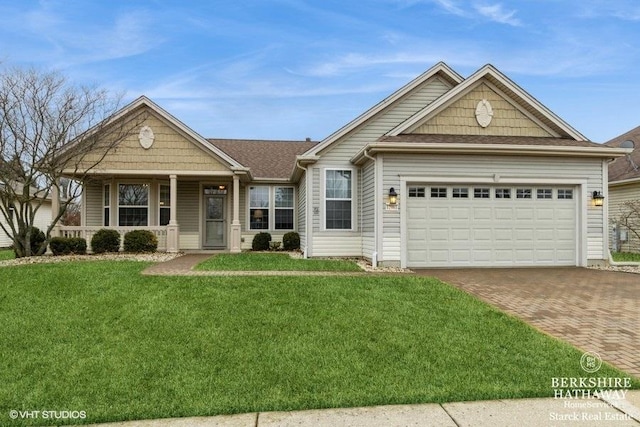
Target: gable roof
143	101
501	82
626	168
440	69
265	159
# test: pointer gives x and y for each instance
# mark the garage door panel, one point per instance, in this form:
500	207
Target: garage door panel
445	232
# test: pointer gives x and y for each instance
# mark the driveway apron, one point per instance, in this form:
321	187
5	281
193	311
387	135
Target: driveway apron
595	310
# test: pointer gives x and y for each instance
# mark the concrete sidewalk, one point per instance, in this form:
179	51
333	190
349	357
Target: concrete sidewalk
494	413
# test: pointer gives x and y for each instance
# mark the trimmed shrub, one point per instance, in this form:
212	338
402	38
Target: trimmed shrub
59	246
261	242
291	241
77	245
105	240
37	239
140	241
68	245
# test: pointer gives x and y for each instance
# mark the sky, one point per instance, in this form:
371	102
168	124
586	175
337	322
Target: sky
291	69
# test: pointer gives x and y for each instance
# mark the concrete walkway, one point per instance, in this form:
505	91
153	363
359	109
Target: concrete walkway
594	310
495	413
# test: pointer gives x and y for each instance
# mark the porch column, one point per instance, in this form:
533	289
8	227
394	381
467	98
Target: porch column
235	222
55	209
173	229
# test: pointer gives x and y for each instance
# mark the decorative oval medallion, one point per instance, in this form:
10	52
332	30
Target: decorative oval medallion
484	113
146	137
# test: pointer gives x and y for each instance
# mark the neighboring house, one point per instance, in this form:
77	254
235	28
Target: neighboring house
444	172
42	221
624	186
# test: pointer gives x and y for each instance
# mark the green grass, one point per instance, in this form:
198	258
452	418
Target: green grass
99	337
248	261
625	256
6	254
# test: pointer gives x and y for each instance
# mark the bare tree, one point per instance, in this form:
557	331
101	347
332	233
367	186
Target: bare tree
630	217
50	129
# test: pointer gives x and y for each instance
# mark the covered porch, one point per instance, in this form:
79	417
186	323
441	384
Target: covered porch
187	211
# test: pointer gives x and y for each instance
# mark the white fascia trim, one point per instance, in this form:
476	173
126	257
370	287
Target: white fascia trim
475	179
487	70
151	172
624	182
440	67
490	149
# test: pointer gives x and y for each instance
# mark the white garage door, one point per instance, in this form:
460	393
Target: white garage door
481	225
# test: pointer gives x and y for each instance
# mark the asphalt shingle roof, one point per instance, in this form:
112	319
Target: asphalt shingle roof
487	139
627	167
265	159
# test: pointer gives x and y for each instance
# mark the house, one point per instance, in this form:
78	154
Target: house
446	171
624	186
42	220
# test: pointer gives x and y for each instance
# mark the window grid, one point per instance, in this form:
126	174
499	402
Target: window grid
460	193
523	193
417	192
565	194
481	193
438	192
503	193
133	205
544	193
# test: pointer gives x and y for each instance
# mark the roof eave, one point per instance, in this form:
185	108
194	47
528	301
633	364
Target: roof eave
627	181
491	149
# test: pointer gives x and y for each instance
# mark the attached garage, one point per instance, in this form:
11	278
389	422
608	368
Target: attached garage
484	225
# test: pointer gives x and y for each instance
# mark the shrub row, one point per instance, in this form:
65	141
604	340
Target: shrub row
68	245
262	242
106	240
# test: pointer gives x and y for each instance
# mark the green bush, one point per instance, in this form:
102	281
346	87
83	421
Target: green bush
261	242
291	241
68	245
77	245
105	240
140	241
59	246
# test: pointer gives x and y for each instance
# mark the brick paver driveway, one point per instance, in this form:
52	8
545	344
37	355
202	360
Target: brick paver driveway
594	310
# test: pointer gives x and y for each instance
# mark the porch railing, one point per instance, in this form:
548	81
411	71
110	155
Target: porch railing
88	232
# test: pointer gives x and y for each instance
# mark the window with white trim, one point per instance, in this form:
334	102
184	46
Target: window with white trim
416	191
503	193
544	193
523	193
259	208
438	192
106	205
133	205
338	199
565	193
164	204
283	205
460	193
481	193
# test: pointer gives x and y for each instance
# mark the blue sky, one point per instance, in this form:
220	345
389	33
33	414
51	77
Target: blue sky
290	69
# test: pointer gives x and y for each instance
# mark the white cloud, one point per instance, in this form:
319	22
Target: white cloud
496	13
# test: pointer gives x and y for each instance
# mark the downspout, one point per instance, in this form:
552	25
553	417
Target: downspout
374	254
307	219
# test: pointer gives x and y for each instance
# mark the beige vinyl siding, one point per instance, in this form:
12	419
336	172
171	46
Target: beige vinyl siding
188	213
171	151
460	117
367	207
505	167
94	203
302	210
618	196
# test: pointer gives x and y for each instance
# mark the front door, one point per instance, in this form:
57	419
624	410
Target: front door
215	224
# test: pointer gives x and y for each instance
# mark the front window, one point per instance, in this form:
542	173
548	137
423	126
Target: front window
338	199
259	208
133	205
107	205
165	204
284	208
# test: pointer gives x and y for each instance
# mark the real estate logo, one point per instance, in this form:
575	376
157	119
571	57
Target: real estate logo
591	362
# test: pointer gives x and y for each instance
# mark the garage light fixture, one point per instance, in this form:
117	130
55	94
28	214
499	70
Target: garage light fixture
598	198
393	197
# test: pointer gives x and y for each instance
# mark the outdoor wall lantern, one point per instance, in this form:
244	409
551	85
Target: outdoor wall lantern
598	198
393	196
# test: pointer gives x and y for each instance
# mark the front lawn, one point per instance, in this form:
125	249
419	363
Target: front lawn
250	261
6	254
99	337
625	256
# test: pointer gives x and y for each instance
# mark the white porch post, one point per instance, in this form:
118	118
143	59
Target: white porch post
235	222
173	229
